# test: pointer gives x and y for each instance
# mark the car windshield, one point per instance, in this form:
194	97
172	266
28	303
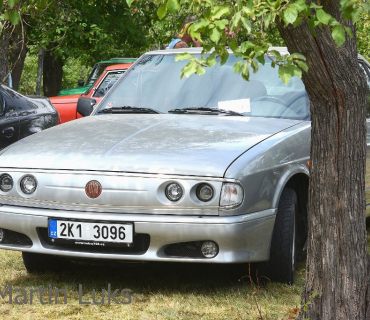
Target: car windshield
154	82
97	71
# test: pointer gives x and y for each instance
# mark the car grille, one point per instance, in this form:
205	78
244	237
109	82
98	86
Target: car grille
140	245
184	250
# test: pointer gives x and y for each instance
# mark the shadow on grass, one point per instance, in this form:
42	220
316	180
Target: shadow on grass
153	277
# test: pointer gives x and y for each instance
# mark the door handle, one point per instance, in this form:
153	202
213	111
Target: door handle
8	132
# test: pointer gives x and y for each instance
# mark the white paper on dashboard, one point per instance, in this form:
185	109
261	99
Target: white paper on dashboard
240	105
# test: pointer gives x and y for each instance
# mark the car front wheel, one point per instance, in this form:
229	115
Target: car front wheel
282	262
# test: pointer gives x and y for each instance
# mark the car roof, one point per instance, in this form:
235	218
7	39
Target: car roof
119	60
118	66
198	50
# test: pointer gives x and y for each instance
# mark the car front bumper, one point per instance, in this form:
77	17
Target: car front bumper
244	238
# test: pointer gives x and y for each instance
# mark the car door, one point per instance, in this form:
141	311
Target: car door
9	122
366	70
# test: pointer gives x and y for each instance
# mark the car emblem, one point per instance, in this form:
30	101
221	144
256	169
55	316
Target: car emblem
93	189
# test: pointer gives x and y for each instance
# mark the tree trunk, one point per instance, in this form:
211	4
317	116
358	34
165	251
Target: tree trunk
4	55
53	73
40	68
18	51
337	265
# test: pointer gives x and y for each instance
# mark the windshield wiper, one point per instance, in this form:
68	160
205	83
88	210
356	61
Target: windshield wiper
128	109
206	111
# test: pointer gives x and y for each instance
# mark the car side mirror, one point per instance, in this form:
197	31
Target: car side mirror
85	106
81	83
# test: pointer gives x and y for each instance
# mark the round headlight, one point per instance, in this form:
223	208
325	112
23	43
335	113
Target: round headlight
174	192
6	183
204	192
28	184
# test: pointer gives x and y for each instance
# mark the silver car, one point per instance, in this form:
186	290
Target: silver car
209	169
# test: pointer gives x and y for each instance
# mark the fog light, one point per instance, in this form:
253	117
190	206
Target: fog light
1	235
6	183
28	184
209	249
174	192
204	192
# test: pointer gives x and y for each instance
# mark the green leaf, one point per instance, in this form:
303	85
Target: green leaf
247	24
290	15
284	74
224	56
323	17
200	70
254	65
298	56
129	2
41	4
14	17
221	24
300	5
315	6
233	44
211	59
162	11
261	59
11	3
297	22
246	45
302	65
189	69
275	53
311	24
245	71
201	23
235	21
183	56
215	35
219	11
173	6
338	35
349	31
356	15
237	66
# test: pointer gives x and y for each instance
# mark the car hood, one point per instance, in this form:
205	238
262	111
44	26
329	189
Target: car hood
144	143
65	99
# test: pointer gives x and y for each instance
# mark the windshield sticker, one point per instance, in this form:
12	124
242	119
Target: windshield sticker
110	104
240	105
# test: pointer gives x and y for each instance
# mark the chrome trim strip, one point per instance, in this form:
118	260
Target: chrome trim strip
119	174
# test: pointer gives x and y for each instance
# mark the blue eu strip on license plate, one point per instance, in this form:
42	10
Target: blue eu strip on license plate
53	228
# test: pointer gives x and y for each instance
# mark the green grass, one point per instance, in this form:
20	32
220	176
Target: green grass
162	291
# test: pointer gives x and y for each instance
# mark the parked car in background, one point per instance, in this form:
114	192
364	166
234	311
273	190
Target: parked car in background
94	75
21	116
205	169
67	104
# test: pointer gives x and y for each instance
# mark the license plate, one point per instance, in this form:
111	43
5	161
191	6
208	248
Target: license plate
90	231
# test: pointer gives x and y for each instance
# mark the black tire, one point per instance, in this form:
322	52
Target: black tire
36	262
282	262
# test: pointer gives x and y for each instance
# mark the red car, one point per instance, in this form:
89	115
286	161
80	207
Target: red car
67	105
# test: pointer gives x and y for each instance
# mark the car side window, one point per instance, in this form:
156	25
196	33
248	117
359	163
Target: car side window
107	83
367	75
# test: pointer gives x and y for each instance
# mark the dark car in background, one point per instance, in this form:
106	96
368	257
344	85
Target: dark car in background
94	75
21	116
